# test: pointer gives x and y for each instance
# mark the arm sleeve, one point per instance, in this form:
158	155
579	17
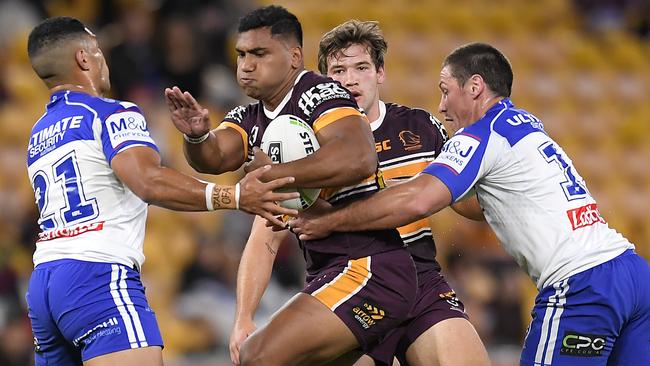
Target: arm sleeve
460	164
124	128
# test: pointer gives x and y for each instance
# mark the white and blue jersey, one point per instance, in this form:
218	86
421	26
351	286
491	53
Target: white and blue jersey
532	196
85	296
593	307
86	213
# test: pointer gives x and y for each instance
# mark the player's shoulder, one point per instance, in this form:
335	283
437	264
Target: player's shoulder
417	117
103	107
401	111
313	90
240	113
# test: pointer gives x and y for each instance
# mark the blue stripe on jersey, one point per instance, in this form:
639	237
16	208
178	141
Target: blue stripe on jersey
515	124
59	126
70	116
459	164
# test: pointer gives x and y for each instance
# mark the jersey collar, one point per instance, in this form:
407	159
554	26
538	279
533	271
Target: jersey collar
374	125
274	113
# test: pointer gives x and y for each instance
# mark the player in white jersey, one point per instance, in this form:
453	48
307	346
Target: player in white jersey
94	168
594	302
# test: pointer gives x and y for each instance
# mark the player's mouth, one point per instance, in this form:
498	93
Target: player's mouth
246	81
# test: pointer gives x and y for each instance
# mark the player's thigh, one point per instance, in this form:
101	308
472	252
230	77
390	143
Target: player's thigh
633	345
303	332
451	342
149	356
50	347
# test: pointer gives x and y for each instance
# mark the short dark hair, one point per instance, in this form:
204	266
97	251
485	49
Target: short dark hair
53	30
279	19
349	33
485	60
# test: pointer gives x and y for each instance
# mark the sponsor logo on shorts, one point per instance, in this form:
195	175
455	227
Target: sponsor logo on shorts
37	347
451	299
585	216
582	344
368	314
109	327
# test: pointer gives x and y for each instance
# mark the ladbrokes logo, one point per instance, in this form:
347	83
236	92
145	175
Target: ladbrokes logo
584	345
368	314
585	216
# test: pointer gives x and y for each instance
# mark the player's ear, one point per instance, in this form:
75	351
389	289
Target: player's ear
81	57
381	75
296	57
476	85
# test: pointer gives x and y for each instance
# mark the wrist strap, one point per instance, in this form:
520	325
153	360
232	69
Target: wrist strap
237	192
196	140
209	188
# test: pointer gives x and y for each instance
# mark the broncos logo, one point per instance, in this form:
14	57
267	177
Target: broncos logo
410	140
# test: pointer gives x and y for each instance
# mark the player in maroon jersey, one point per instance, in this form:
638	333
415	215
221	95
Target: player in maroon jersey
360	286
407	140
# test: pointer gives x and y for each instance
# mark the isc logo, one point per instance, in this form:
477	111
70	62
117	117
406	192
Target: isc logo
275	152
382	146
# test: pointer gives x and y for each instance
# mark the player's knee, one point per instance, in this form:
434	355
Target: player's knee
252	353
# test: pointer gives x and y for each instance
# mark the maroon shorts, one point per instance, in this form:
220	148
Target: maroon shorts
435	302
371	295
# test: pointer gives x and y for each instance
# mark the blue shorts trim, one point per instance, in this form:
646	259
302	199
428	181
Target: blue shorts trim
80	310
597	317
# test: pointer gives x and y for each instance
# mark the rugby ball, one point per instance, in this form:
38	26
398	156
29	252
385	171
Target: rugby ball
288	138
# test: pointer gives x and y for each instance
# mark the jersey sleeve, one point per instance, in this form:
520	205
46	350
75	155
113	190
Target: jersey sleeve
238	121
461	163
125	127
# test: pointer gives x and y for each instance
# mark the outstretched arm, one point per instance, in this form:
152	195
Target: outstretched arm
390	208
140	170
253	278
207	151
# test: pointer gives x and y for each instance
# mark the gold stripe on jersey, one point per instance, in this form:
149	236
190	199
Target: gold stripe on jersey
241	131
333	115
353	278
373	183
415	230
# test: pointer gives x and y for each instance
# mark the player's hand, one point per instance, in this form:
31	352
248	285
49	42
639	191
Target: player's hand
312	223
187	114
259	159
241	331
257	197
283	219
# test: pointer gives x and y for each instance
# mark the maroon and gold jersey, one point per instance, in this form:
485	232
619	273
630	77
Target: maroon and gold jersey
407	140
319	101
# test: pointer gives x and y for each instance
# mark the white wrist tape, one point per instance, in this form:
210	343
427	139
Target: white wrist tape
209	188
196	140
237	192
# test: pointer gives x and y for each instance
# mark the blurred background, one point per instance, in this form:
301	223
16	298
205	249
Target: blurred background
582	66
